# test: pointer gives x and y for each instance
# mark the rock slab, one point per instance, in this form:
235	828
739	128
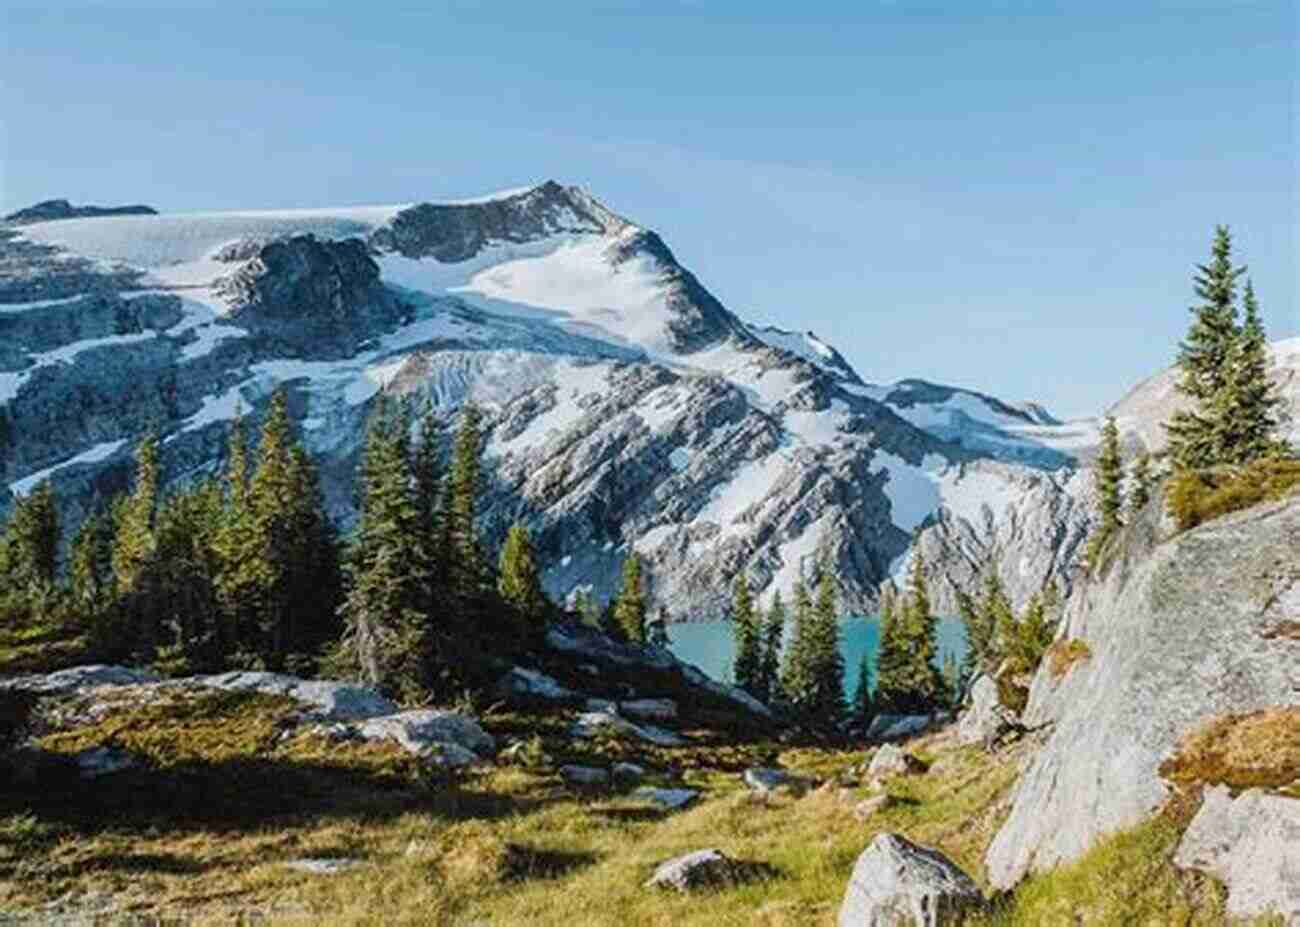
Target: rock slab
701	869
897	883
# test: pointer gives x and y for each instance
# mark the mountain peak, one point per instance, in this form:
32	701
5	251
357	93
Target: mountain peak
50	210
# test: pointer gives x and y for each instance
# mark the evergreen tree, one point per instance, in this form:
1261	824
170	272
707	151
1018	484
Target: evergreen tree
468	577
773	636
923	686
1197	436
428	490
238	553
32	539
90	566
187	563
1140	479
1251	401
134	554
954	680
1108	475
1029	638
863	707
891	659
825	702
629	609
518	582
748	638
796	674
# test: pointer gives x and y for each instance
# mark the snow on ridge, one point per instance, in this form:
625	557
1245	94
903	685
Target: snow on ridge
804	345
95	454
489	197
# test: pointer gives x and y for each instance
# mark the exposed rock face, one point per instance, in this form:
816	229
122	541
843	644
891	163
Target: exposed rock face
1180	632
445	737
49	210
301	297
79	677
897	883
668	799
327	700
986	718
894	761
1252	845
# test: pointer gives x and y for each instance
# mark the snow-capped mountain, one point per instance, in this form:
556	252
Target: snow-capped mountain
629	408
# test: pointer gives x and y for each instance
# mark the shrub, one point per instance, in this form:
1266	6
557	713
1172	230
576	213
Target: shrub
1197	496
1258	749
1064	654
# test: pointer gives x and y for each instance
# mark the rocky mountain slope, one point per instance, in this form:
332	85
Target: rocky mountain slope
628	408
1176	634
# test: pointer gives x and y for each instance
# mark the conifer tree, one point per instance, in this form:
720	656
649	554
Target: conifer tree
796	673
518	582
1108	475
1251	400
90	566
1140	479
863	706
1197	436
468	577
773	636
954	680
748	638
979	639
923	686
891	659
32	538
826	699
428	490
629	609
135	549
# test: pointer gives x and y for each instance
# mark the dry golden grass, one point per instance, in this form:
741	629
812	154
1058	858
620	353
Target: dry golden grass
1064	654
1256	749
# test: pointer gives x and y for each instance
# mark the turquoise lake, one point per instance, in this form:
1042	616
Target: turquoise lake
711	647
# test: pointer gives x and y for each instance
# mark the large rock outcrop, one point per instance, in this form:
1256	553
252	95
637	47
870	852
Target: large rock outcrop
897	883
1180	631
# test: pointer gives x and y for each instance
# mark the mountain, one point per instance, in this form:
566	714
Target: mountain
628	408
50	210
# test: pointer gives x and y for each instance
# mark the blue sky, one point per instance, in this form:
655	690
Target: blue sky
1008	196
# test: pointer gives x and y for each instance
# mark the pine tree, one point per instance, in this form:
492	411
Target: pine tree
826	699
1108	475
90	566
518	582
748	638
629	609
1029	637
469	580
428	491
773	636
134	554
891	659
32	539
1251	401
796	673
863	707
1197	436
1140	479
923	687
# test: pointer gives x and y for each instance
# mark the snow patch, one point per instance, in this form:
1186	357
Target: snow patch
93	455
680	458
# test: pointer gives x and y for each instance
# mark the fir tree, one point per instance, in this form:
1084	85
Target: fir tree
796	673
428	490
1251	401
954	680
863	706
1108	475
90	566
748	638
1140	479
826	699
1197	436
923	688
891	659
32	539
468	577
134	551
773	636
518	582
629	611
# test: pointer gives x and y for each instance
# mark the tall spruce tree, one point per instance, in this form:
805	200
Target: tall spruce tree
90	566
923	687
863	709
748	638
134	554
469	579
826	700
1108	477
629	608
773	636
796	673
891	659
32	538
1251	401
1197	436
519	583
1140	482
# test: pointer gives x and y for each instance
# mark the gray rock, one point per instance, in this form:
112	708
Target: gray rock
896	727
600	723
701	869
102	761
527	684
649	709
628	772
896	883
446	739
80	677
324	865
1180	632
870	807
584	775
668	799
329	701
986	717
771	778
1252	845
894	761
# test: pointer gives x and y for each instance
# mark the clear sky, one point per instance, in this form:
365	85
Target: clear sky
1003	195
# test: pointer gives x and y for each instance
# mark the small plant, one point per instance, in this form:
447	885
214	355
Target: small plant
1197	496
1258	749
1064	654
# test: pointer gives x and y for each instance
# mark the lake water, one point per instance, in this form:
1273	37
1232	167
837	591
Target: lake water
711	646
